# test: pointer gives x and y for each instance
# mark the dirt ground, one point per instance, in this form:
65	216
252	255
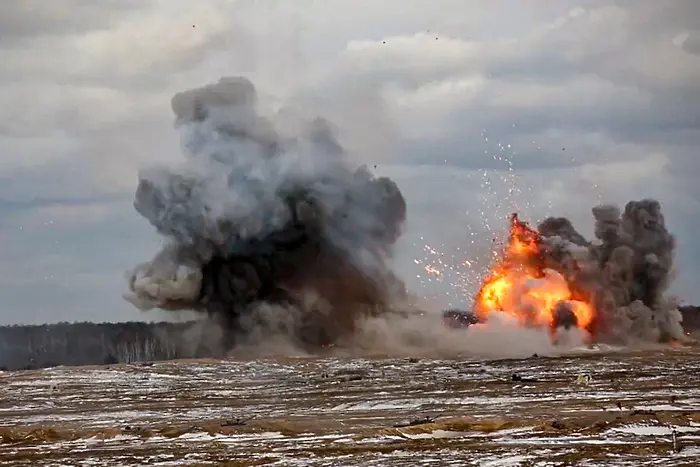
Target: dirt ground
594	407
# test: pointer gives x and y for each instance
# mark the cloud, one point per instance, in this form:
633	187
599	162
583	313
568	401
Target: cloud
30	19
474	107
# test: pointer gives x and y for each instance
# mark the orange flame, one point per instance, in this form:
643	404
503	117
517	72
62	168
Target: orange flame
520	286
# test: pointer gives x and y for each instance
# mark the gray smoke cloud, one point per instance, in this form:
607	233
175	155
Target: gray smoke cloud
625	274
257	216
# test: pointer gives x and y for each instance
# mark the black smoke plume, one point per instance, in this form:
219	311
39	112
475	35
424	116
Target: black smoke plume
254	218
625	275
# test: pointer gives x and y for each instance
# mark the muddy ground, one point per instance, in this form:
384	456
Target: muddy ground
637	409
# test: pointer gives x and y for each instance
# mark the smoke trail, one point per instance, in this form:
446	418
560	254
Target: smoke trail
625	276
253	216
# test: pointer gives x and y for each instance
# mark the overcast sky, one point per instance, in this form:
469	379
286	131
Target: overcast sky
475	108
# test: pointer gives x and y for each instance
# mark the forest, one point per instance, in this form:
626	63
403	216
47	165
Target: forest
73	344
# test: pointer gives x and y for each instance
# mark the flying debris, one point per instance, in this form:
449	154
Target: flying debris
264	228
615	288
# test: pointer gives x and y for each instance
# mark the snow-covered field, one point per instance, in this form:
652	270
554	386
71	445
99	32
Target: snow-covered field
638	409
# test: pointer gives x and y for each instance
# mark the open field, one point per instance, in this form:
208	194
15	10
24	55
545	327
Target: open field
328	411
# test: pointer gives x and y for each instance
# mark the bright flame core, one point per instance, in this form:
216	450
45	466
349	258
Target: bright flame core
520	286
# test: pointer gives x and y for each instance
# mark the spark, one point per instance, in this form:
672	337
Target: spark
500	192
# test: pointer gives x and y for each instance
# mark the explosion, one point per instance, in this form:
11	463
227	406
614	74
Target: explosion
263	226
521	286
267	223
614	288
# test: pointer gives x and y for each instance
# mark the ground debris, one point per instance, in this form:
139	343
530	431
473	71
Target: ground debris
416	421
515	377
557	425
238	421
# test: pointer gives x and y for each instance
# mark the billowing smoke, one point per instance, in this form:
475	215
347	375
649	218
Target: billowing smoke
624	276
258	219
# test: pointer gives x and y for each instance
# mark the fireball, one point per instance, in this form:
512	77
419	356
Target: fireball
520	286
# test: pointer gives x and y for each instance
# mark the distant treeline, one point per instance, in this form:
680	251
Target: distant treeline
73	344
